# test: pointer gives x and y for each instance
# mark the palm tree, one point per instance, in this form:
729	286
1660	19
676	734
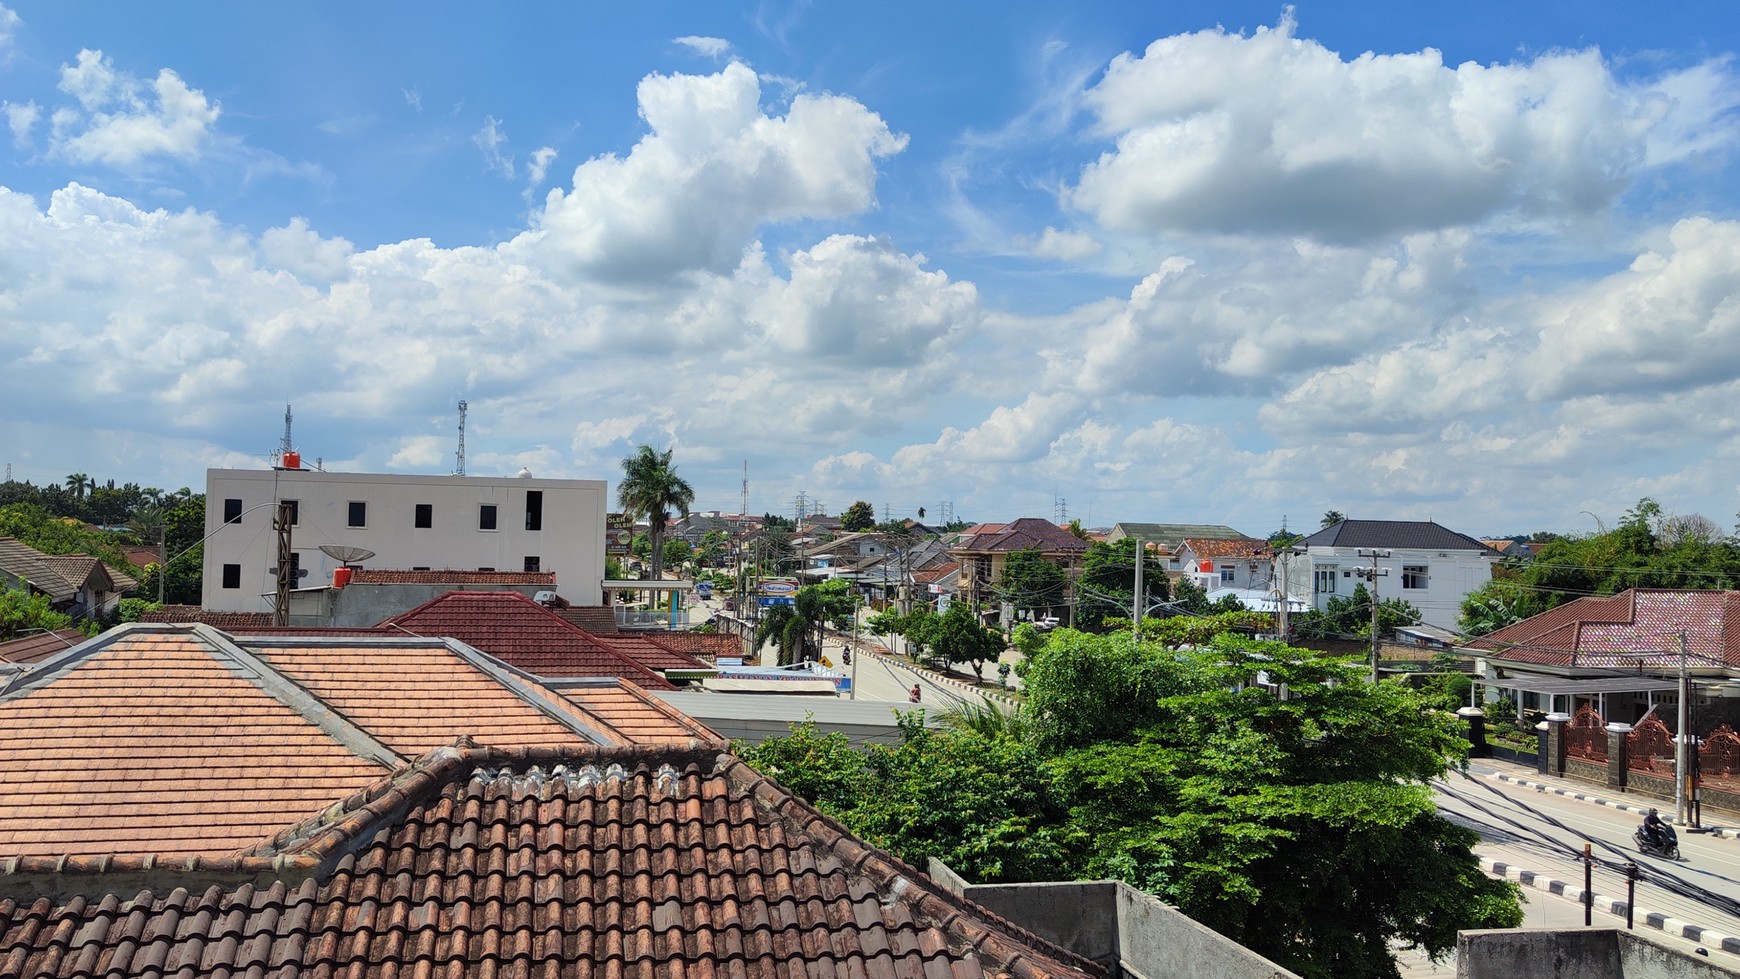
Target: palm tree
651	488
76	484
1333	517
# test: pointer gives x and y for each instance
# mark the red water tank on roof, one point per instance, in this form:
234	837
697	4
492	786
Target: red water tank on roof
292	460
340	577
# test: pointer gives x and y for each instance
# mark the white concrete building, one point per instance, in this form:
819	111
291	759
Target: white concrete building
1418	561
467	523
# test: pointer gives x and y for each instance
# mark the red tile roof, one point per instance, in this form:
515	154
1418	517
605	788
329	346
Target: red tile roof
636	716
1028	532
633	863
179	741
642	648
699	645
1207	547
226	621
519	631
1600	631
32	649
381	576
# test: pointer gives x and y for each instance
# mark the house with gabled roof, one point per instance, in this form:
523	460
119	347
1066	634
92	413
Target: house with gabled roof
982	552
76	584
1429	566
1619	654
1212	563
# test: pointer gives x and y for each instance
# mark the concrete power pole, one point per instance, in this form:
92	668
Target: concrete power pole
1138	601
1371	575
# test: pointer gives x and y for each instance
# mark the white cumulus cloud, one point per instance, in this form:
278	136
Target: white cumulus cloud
124	120
707	47
21	119
712	167
1270	133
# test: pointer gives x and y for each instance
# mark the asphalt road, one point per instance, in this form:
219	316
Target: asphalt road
1545	833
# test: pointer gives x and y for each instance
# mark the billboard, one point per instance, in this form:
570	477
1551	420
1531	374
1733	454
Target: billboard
618	533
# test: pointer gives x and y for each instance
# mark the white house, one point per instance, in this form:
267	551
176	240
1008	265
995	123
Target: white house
465	523
1214	563
1428	566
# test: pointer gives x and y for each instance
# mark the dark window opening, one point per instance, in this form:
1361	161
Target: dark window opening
486	516
532	562
359	514
232	576
425	515
1415	576
232	512
534	509
295	511
419	567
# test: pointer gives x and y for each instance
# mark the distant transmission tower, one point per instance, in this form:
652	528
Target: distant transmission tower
1060	509
286	445
459	455
745	511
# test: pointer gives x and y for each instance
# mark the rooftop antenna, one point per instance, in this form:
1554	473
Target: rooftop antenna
459	456
286	445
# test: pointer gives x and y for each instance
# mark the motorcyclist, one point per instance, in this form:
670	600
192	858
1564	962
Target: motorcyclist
1652	828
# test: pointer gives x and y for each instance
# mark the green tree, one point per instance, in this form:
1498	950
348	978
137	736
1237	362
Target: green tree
651	488
1331	518
1108	584
1031	581
676	552
859	516
796	629
961	639
1351	616
22	612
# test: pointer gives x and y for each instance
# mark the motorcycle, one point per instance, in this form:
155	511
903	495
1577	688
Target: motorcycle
1668	846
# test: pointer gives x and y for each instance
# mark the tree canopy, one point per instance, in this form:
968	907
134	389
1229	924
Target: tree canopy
1108	584
651	488
1169	768
1030	580
859	516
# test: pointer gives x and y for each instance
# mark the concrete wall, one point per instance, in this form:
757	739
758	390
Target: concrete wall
1130	933
364	605
1584	953
570	541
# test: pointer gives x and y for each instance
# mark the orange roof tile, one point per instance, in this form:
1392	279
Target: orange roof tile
635	715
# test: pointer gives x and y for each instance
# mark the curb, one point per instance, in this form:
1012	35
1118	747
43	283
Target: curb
937	678
1727	832
1614	906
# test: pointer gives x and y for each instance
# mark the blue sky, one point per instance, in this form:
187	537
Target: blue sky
1228	263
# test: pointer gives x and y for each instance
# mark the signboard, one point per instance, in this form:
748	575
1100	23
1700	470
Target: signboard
766	600
778	587
618	533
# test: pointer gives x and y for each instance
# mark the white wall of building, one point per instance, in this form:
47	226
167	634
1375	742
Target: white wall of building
1449	577
569	541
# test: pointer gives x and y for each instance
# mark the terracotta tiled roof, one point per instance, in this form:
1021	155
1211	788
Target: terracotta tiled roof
124	750
519	631
381	576
227	621
635	715
1028	532
611	862
179	741
1208	547
31	649
925	576
590	618
643	649
701	645
1600	631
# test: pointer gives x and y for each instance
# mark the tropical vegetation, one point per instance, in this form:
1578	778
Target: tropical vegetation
651	488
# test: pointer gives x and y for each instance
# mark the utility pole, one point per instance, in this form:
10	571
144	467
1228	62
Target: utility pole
281	603
1371	575
1681	737
1281	556
1139	601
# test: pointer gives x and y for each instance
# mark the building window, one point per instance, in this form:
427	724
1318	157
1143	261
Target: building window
532	562
534	510
1326	581
232	576
295	510
425	516
486	569
1414	576
232	512
486	517
359	513
419	567
1226	574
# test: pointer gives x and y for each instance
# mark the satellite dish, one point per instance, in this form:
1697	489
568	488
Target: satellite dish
346	554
